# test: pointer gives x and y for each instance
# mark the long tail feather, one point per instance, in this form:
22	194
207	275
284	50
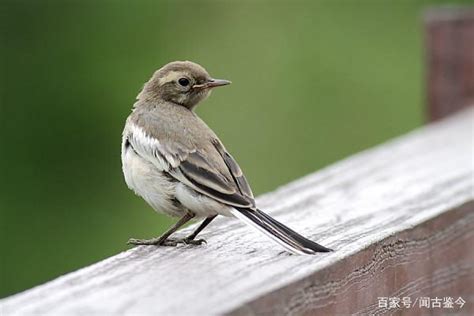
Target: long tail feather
278	232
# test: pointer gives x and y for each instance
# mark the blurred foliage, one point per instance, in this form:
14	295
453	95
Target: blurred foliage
313	82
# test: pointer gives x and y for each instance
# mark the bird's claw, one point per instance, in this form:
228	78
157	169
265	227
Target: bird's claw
137	242
166	242
196	242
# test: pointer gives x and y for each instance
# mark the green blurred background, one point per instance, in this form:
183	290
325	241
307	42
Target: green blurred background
313	82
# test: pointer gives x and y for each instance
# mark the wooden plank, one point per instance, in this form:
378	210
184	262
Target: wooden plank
450	59
399	216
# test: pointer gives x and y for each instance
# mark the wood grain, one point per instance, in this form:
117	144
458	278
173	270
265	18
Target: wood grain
399	216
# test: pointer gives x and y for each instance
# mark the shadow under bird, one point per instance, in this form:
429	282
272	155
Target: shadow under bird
174	161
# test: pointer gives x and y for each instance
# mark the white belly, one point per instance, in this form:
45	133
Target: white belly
151	184
158	190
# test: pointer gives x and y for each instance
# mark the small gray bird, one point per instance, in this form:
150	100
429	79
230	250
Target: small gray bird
174	161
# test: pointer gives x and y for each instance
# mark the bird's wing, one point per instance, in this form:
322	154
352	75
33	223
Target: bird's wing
209	170
234	169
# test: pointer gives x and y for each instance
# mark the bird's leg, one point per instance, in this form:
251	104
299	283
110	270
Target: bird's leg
190	239
162	240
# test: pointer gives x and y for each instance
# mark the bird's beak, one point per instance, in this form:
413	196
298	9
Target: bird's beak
217	83
212	84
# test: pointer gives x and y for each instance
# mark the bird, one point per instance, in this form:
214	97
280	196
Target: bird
178	165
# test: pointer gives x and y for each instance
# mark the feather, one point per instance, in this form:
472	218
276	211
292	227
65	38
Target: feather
203	169
285	236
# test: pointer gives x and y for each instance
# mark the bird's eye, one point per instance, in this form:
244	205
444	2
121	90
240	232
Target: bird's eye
183	81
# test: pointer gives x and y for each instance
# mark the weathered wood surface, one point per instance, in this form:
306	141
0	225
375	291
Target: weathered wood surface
449	34
400	218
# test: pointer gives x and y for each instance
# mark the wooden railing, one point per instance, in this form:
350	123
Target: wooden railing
400	218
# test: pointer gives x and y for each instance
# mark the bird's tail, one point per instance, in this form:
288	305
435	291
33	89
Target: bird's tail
278	232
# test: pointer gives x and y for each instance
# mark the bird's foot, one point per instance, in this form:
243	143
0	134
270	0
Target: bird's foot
153	241
167	242
196	242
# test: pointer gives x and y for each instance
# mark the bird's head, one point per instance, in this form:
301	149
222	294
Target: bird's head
182	82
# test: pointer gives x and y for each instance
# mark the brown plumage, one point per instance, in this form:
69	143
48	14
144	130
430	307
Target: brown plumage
175	162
